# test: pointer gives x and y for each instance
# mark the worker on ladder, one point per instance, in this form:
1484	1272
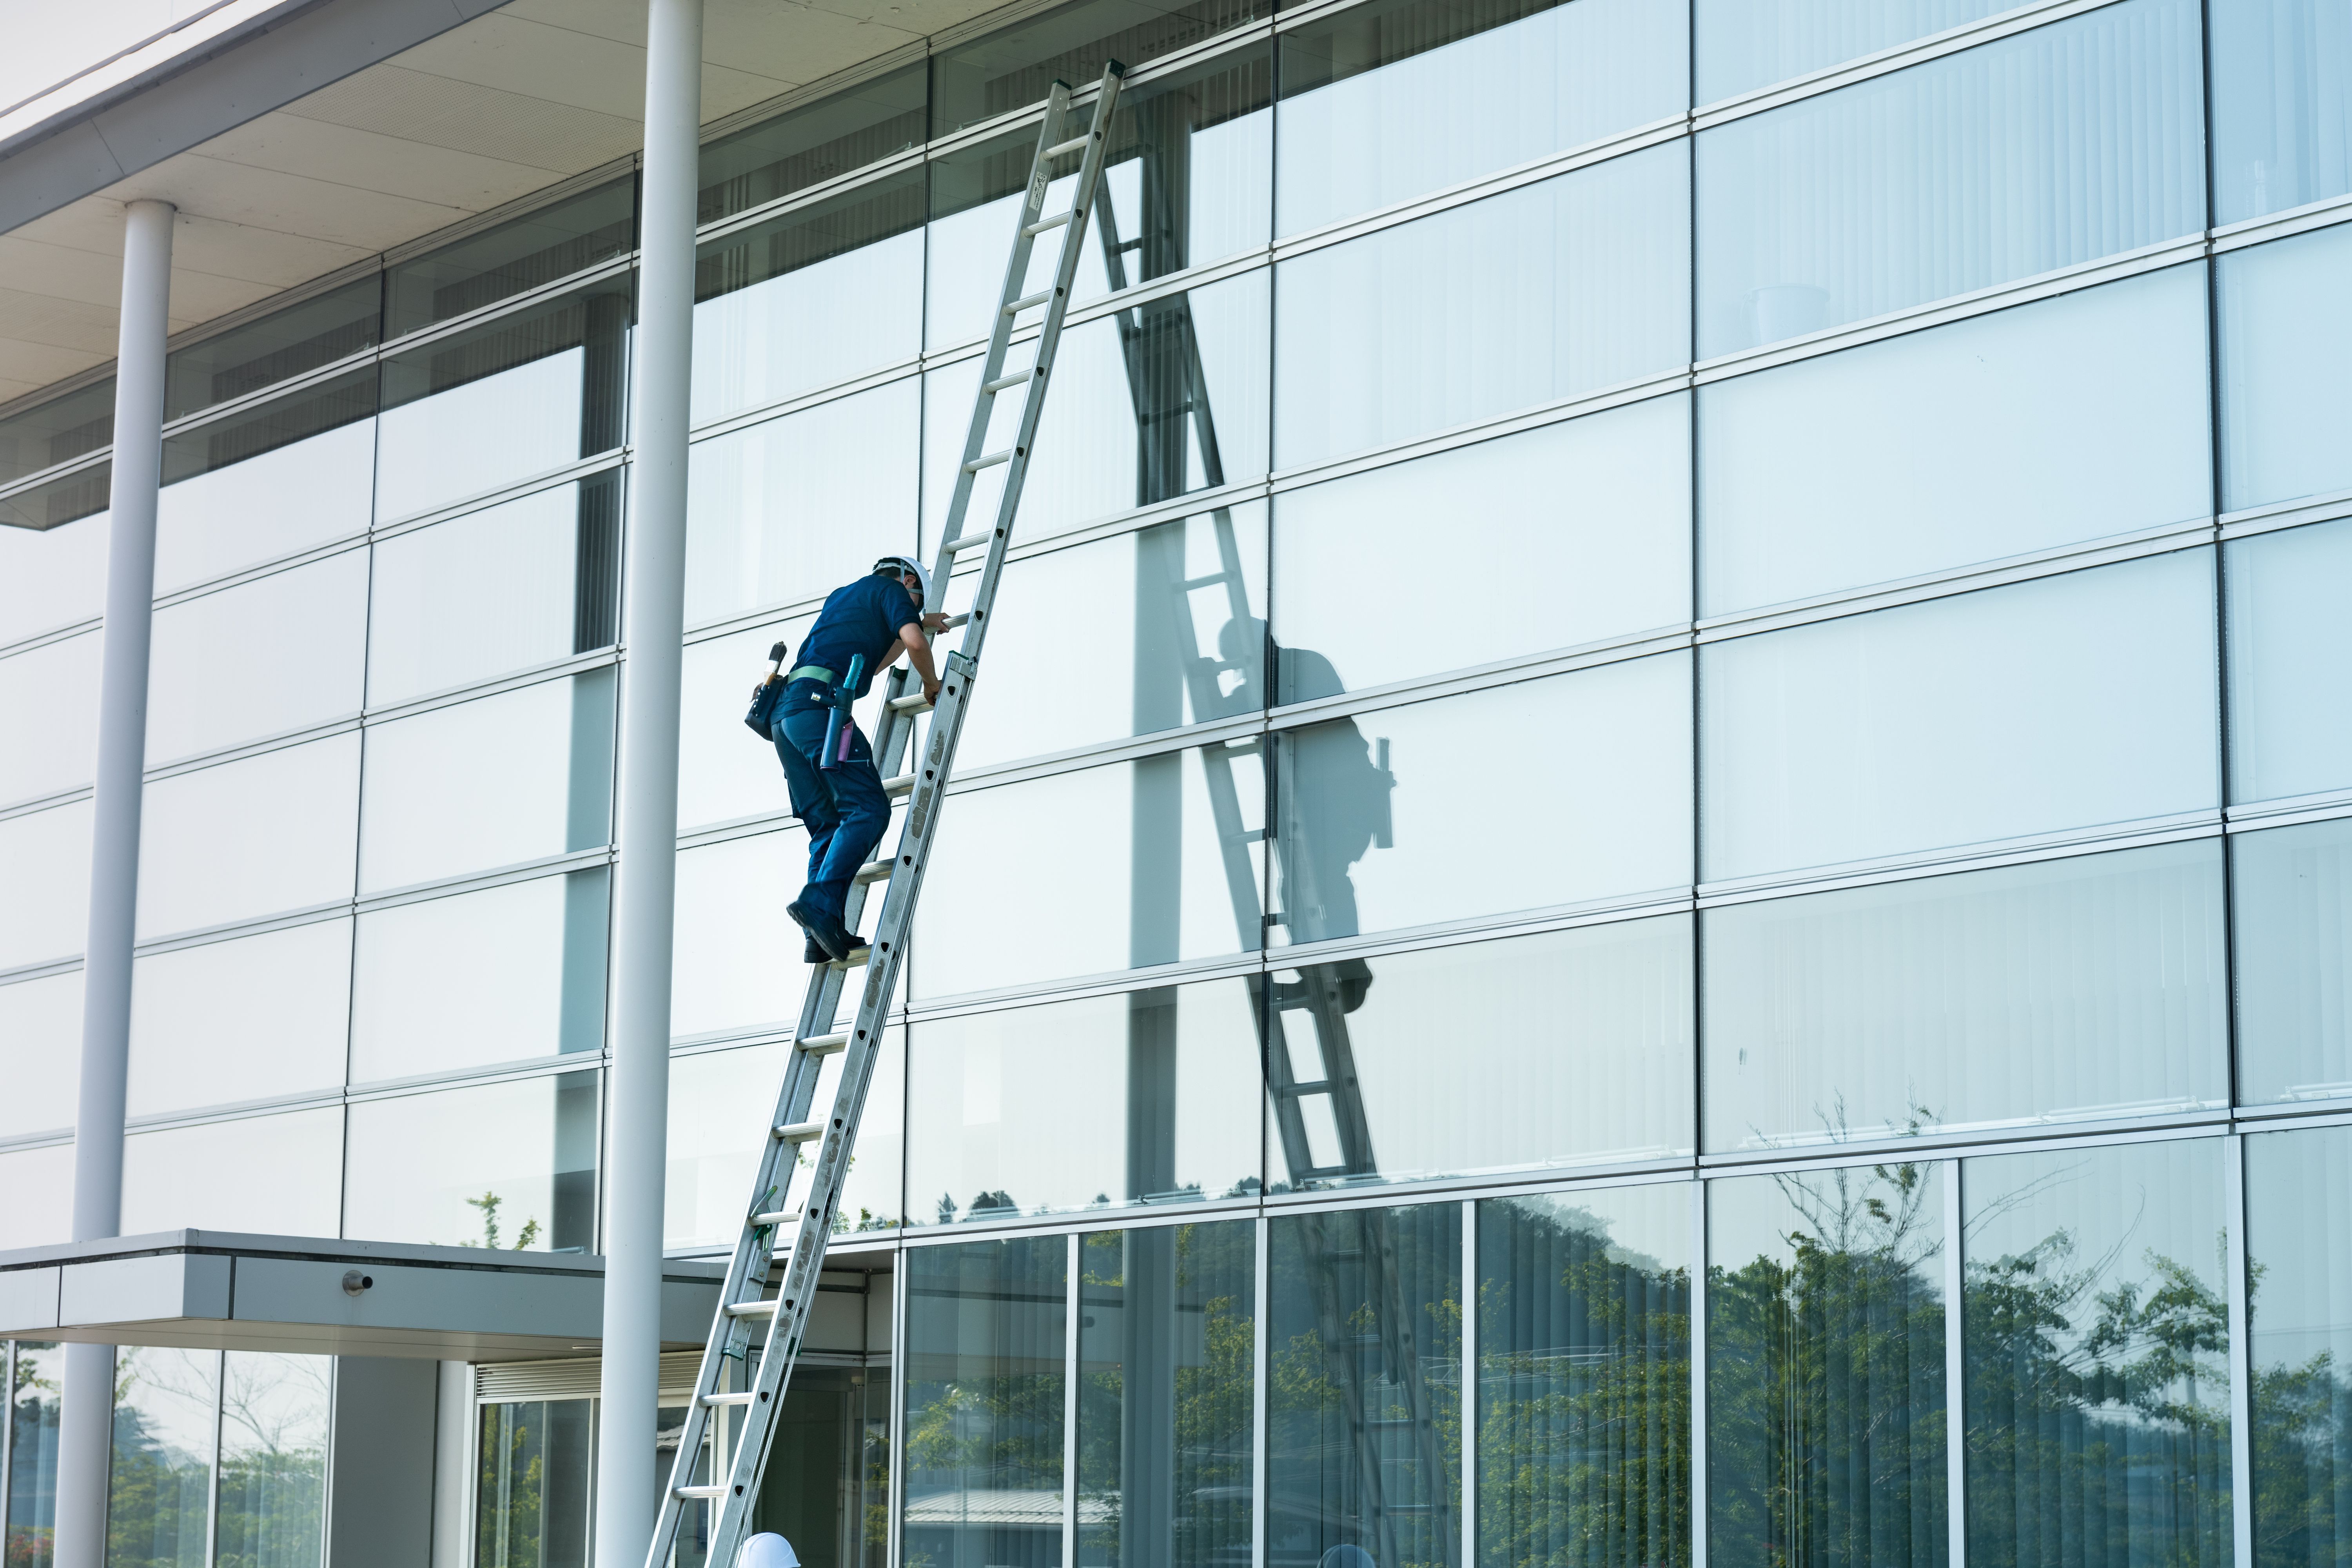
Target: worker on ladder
836	790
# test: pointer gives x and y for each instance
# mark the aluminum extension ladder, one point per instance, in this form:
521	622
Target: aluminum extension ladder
742	1383
1319	992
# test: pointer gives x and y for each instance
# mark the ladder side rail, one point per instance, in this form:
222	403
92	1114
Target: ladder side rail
795	1299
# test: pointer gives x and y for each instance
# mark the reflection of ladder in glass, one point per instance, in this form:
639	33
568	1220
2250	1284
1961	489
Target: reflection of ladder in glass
1319	992
756	1335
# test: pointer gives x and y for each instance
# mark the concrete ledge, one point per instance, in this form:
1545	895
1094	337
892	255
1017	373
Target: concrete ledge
213	1290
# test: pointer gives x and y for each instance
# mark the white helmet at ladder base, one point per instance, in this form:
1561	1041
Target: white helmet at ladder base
904	563
767	1552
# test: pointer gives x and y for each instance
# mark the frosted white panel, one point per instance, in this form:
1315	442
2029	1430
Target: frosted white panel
1743	45
286	500
2290	661
270	1176
280	653
255	837
2068	703
40	1184
40	1054
720	1103
45	866
809	327
472	438
51	696
232	1021
2285	328
735	964
1877	463
54	577
474	598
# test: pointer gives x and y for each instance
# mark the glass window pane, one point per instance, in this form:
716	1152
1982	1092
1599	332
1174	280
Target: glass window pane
1576	1048
501	1165
1839	471
2281	74
319	331
40	1055
2300	1273
2098	1357
809	145
524	583
2043	149
78	495
265	1176
57	431
40	1184
286	500
1372	837
495	976
1158	884
1153	403
1562	535
1166	1367
985	1356
827	1486
2285	324
44	865
1825	1368
1175	616
250	838
793	508
1372	96
538	248
2055	991
1743	45
273	1461
1539	294
251	433
2290	888
281	653
818	296
51	695
51	577
34	1408
159	1486
532	1491
1584	1347
469	414
493	782
2289	658
1133	1098
722	1104
2061	703
733	934
257	1018
1363	1422
1012	66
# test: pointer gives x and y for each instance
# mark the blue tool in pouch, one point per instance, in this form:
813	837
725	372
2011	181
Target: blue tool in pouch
840	729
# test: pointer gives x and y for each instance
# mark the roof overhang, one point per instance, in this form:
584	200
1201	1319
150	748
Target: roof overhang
213	1290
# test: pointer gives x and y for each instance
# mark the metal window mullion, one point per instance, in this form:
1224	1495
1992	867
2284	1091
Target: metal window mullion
1070	1405
895	1488
7	1431
212	1491
1955	1371
1260	1305
2241	1352
1697	1480
1469	1382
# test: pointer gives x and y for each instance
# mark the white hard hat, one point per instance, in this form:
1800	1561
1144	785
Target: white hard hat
907	563
767	1552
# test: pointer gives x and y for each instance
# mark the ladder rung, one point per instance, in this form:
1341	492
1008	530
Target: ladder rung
918	703
776	1216
699	1494
826	1045
1007	383
989	460
856	958
964	541
800	1132
742	1399
875	871
1029	304
1057	221
1074	144
903	784
766	1309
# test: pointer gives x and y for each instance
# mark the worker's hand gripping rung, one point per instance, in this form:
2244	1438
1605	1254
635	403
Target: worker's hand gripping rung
745	1314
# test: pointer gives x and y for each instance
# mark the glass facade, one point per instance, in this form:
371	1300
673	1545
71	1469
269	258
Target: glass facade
1829	1086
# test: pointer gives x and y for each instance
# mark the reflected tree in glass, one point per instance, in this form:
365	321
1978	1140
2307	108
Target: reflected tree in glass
530	1489
1825	1369
159	1487
2097	1338
985	1384
273	1461
1364	1389
1165	1361
36	1388
1584	1408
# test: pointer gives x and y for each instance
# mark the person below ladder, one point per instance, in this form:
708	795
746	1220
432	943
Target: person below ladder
844	807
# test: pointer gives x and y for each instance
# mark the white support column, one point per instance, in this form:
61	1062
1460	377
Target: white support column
86	1417
646	839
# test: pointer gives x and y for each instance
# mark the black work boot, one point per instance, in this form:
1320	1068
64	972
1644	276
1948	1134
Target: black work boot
824	933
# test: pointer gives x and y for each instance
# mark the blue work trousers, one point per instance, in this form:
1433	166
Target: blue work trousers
844	810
